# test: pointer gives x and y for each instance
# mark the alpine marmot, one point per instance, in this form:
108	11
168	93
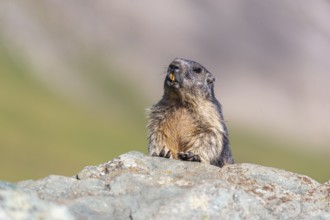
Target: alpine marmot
187	123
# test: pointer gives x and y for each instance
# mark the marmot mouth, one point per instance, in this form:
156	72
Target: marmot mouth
172	80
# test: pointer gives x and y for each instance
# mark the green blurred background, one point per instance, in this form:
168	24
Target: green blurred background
76	78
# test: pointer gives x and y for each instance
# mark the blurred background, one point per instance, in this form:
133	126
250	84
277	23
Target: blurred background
76	77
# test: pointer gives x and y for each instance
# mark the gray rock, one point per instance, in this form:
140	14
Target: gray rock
16	204
136	186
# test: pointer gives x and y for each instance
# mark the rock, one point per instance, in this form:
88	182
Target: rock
136	186
16	204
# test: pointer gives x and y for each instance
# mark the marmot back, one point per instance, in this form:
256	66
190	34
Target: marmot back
187	123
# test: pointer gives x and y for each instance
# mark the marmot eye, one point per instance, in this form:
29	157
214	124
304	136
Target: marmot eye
197	69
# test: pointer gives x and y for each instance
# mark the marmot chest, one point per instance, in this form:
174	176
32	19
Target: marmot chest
179	127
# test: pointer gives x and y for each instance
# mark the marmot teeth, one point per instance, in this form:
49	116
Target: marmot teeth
172	77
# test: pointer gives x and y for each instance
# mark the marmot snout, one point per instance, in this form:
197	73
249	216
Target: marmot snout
187	123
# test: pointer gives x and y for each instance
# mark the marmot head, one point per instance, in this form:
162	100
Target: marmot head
186	80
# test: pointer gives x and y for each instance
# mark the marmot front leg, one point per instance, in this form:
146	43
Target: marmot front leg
206	148
158	145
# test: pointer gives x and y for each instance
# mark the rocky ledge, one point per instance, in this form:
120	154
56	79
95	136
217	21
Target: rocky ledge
136	186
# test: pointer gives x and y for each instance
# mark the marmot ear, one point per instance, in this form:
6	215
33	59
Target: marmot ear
210	79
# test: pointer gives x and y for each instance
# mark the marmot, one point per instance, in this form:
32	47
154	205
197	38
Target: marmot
187	123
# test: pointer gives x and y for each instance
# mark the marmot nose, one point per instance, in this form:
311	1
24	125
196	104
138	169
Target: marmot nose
174	67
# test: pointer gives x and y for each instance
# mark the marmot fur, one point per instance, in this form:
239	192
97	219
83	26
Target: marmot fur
187	123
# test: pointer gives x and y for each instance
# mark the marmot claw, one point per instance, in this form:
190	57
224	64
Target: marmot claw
189	156
163	153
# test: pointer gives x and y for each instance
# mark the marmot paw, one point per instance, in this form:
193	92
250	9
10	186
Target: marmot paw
163	153
189	156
